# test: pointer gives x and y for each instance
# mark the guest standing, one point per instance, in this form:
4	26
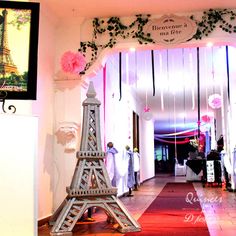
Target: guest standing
130	180
136	168
111	163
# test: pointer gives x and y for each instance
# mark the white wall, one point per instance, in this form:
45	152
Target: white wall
67	108
43	109
231	109
147	150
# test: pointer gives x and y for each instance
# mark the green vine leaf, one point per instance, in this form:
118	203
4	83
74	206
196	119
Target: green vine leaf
213	18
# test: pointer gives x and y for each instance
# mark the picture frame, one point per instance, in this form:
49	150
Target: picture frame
19	26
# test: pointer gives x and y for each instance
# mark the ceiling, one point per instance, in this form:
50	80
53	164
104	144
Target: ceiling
173	97
107	8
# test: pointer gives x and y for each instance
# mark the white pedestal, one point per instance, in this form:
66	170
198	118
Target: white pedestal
18	150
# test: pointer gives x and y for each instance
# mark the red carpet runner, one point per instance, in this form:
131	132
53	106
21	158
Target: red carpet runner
175	211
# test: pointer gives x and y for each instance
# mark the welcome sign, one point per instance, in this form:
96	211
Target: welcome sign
171	29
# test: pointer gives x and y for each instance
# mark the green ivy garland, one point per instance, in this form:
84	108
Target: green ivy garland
213	18
116	29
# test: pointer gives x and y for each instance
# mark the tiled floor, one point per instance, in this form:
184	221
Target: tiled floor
218	206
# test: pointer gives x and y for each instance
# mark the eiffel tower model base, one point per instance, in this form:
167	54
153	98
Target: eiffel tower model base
74	208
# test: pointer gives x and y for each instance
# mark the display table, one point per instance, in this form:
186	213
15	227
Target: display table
196	165
195	170
204	170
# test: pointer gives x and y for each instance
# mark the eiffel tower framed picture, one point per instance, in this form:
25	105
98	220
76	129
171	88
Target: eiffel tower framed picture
19	25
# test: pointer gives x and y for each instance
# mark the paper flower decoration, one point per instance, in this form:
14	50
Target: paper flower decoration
73	62
146	109
194	142
207	118
215	101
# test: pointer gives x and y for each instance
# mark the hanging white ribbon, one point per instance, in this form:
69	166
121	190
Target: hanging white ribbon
191	75
161	74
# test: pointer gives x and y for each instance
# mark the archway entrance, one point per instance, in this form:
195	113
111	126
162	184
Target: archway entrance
128	86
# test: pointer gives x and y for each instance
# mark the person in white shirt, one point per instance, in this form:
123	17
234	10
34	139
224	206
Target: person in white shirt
136	167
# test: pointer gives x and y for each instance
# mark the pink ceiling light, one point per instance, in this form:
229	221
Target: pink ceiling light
73	62
215	101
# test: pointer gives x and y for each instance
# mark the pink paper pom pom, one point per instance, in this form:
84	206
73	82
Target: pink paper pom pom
215	101
73	62
207	118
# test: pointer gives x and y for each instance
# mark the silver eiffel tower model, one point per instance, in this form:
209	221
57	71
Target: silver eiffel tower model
90	185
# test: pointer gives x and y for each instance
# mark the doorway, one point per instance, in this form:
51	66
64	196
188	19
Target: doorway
174	106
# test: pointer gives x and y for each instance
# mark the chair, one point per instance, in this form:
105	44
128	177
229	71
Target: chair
180	170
